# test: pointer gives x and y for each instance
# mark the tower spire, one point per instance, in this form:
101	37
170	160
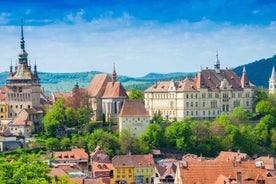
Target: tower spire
114	74
11	67
22	53
273	76
217	64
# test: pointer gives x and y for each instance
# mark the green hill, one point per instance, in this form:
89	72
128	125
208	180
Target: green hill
258	73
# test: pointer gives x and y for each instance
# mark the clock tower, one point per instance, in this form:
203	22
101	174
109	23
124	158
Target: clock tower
22	83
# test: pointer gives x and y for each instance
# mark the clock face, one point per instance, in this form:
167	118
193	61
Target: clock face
14	88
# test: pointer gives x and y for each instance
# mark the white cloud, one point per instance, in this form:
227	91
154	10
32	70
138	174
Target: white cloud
137	47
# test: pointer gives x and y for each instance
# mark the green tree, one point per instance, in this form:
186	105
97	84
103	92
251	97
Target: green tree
27	169
153	136
55	118
136	94
157	117
65	143
52	143
84	115
261	94
106	140
70	114
273	140
177	135
265	107
128	143
239	116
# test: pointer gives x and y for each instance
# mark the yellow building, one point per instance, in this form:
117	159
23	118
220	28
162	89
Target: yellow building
4	107
210	93
130	169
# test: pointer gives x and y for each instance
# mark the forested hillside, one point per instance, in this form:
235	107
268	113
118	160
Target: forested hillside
258	73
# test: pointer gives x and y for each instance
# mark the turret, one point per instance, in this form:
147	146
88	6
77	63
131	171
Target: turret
217	64
23	55
114	75
272	82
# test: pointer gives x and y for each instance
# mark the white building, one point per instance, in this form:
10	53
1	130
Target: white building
134	117
210	93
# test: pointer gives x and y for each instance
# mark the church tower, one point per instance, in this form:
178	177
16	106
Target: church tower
272	82
23	84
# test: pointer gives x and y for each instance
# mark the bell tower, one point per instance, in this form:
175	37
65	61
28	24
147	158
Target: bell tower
272	82
23	84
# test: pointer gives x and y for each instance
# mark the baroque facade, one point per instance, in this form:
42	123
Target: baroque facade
23	87
210	93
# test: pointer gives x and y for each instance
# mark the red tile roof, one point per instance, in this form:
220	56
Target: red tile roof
20	119
269	162
133	161
114	90
133	108
99	155
3	89
101	167
207	78
226	156
211	171
98	84
74	154
57	172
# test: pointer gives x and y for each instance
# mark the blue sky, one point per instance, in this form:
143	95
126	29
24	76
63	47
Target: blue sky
138	36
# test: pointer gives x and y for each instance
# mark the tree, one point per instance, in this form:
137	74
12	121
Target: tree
27	169
153	136
52	143
106	140
177	135
157	117
273	139
239	116
65	143
136	94
55	118
261	132
265	107
261	94
84	115
128	143
70	114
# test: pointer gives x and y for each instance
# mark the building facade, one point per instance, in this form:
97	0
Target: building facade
134	117
22	83
128	169
210	93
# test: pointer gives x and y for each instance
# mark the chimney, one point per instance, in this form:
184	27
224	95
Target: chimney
239	177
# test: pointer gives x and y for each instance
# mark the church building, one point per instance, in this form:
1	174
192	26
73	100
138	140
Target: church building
23	87
210	93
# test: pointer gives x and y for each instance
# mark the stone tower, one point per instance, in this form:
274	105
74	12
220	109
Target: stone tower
23	84
272	82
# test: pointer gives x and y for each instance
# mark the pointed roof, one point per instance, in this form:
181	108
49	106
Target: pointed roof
114	90
217	64
273	76
244	79
133	108
22	53
23	70
114	74
98	84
